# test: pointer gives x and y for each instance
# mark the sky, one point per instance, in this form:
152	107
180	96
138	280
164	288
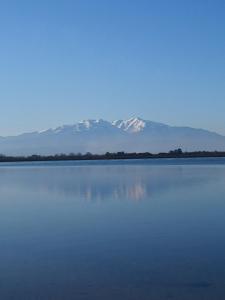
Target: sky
62	61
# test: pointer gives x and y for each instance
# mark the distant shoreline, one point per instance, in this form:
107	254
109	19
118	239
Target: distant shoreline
112	156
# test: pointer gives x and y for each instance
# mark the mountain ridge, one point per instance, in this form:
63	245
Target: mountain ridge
116	123
99	136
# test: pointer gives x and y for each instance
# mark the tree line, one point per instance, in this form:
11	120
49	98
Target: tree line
177	153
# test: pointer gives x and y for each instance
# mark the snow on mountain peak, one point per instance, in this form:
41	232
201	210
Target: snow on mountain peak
131	125
80	126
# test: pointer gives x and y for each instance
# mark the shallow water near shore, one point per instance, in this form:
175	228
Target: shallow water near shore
139	229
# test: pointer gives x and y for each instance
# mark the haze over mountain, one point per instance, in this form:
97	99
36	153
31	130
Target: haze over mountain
100	136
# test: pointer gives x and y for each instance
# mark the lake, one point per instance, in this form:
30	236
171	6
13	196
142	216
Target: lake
125	230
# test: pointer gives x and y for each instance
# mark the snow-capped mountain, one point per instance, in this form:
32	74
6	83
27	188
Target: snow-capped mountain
100	136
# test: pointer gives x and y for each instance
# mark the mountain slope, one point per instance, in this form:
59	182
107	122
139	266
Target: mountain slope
100	136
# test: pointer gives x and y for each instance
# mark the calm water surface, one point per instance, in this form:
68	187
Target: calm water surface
113	230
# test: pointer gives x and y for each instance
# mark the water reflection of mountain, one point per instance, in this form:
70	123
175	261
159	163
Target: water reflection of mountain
102	183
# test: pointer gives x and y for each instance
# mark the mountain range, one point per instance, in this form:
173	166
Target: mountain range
100	136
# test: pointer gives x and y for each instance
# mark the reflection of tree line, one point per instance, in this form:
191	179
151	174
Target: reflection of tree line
102	183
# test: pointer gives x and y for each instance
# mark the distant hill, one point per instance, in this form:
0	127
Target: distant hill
100	136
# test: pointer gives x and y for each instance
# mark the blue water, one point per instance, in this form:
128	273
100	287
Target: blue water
142	229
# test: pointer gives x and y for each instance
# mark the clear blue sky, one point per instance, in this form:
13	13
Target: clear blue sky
62	61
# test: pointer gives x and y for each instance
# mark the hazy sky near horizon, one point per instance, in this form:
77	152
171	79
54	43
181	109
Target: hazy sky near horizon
63	61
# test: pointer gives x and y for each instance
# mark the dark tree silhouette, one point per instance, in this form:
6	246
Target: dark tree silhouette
177	153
